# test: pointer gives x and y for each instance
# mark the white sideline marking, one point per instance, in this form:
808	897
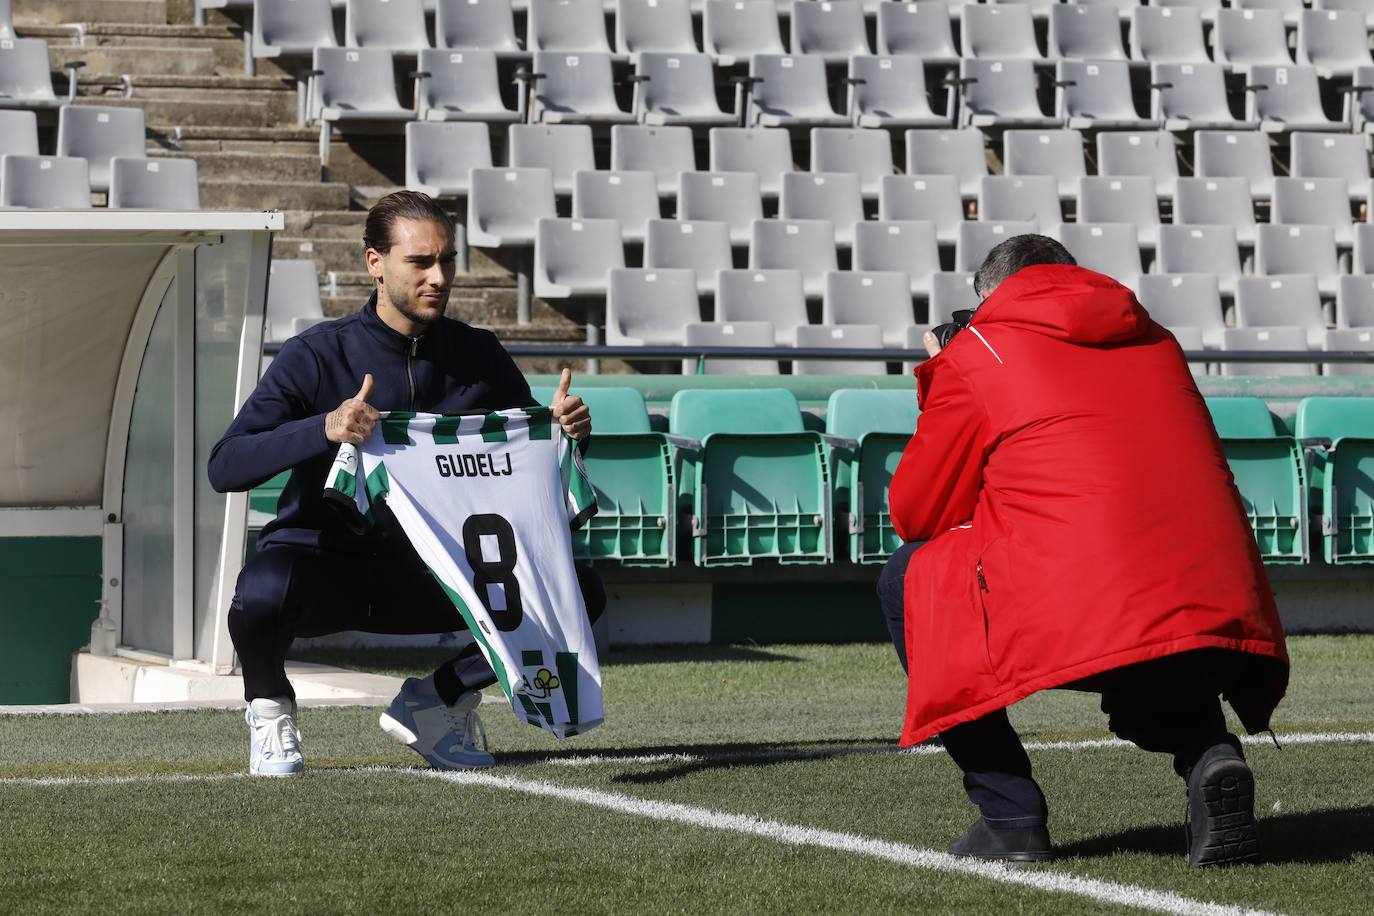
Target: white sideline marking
796	835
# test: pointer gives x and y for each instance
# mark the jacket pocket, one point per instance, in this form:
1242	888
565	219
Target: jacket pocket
991	583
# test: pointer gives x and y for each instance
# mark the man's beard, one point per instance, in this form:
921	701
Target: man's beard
410	310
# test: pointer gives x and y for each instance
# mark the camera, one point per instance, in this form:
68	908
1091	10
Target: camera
944	333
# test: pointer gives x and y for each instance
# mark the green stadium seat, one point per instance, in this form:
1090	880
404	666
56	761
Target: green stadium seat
631	469
1338	434
263	499
877	425
754	481
1269	473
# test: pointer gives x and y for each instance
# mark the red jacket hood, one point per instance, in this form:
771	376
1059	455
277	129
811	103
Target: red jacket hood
1066	303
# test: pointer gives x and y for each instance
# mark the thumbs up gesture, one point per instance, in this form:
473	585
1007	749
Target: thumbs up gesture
354	419
573	415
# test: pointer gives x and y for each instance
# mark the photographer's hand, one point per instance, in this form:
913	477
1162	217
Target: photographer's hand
932	345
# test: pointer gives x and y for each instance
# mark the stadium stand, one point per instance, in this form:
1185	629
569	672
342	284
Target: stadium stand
396	25
650	306
891	92
629	198
441	156
665	151
563	149
677	88
921	30
99	134
806	245
473	25
775	296
839	336
732	198
460	86
505	204
572	257
881	298
1168	35
701	246
934	198
730	334
907	246
830	196
660	27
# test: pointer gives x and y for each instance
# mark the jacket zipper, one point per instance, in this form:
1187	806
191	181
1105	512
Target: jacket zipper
410	376
982	582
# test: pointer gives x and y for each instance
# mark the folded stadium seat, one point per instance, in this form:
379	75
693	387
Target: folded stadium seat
1235	154
839	336
977	237
1192	97
1289	300
1285	338
563	149
869	297
998	32
1217	202
1314	202
1207	9
890	92
292	29
1268	466
1200	249
960	153
1298	249
293	299
1046	152
732	198
572	257
1108	248
909	246
757	484
733	31
1288	98
504	205
1121	200
98	135
1290	9
700	246
630	198
1083	32
575	89
878	425
154	184
460	86
1336	42
1364	7
396	25
660	26
1246	38
922	30
1021	198
6	20
477	25
18	133
775	296
650	306
831	29
1092	95
44	182
675	88
1000	93
566	26
790	91
1185	300
765	151
807	245
1363	260
439	156
730	334
1355	302
950	292
934	198
1151	154
1332	156
1343	471
831	196
1168	35
665	151
354	86
1348	339
25	75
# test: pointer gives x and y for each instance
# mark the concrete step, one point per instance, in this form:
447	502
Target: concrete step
273	195
118	60
55	11
262	166
171	141
248	134
329	224
330	254
161	114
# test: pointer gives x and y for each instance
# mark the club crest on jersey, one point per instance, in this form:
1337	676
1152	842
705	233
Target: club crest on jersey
482	465
545	683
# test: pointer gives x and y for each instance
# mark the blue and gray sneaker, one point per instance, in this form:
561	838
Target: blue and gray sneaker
274	741
446	736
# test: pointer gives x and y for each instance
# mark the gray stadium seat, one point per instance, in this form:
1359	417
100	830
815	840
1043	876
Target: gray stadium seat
1201	249
504	205
948	152
154	184
1288	98
951	292
1336	42
1216	202
1349	339
890	92
1298	249
851	336
977	237
439	156
1364	7
1000	93
732	198
1150	154
630	198
6	20
1314	201
1361	111
1084	32
1108	248
1021	198
731	334
701	246
1185	300
733	31
909	246
775	296
767	152
833	29
661	26
567	26
354	86
1279	338
1288	8
292	29
1246	38
44	182
18	133
832	196
460	86
1288	299
926	197
1189	340
1096	95
562	149
1207	9
25	75
1121	200
396	25
573	256
476	25
1192	97
650	306
676	88
1363	260
869	297
1332	156
865	153
1355	302
1167	35
665	151
997	32
99	134
1046	152
575	89
1235	154
923	30
791	92
807	245
293	299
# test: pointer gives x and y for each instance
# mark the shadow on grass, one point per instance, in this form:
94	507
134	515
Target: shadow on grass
666	655
422	660
1332	835
695	758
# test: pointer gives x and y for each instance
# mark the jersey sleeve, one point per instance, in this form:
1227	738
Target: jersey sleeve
353	492
578	494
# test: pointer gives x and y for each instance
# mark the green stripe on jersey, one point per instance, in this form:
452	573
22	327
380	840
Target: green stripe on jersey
345	483
541	422
566	663
378	484
476	630
396	427
494	427
446	430
531	658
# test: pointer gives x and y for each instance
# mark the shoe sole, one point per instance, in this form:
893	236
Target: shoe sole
1228	836
1013	858
403	735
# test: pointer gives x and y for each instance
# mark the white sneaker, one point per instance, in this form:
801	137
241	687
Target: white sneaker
274	741
444	735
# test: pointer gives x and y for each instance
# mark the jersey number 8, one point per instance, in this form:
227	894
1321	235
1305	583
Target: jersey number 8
500	570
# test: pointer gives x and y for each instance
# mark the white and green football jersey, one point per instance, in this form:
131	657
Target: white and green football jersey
488	501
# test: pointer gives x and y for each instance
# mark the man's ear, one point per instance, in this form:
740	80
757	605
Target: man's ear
373	258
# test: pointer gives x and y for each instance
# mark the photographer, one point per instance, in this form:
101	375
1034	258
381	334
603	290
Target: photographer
1072	522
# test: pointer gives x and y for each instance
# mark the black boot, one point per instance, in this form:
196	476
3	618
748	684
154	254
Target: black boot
1221	809
1012	844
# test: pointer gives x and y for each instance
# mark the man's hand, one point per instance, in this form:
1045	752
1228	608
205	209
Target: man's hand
573	415
354	419
932	345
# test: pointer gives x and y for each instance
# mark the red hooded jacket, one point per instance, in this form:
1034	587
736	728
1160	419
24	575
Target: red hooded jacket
1080	512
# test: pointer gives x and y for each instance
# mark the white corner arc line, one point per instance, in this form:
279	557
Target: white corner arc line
1129	895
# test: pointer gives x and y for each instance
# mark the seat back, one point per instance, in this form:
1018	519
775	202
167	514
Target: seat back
699	413
1108	248
999	32
18	133
1334	41
1118	200
977	238
154	184
504	205
839	336
43	182
834	29
807	245
1268	471
732	198
440	155
998	90
1235	154
832	196
866	153
1327	155
572	256
1290	95
950	292
792	85
569	26
665	151
1046	152
881	298
1312	201
630	198
730	334
1190	92
397	25
1185	300
908	246
1168	35
1247	37
459	82
293	298
654	25
1296	249
882	422
1096	91
1024	198
1150	154
1288	300
99	134
295	28
1355	302
25	78
1343	477
699	246
775	296
577	83
935	198
1200	249
473	25
677	84
1214	202
959	153
921	30
650	306
355	79
563	149
1085	32
739	29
